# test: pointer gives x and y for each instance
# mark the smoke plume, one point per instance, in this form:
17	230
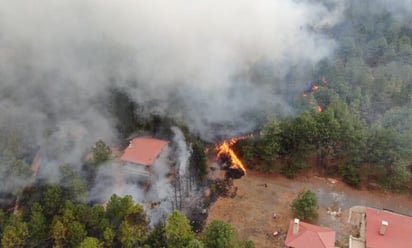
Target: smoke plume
163	195
206	63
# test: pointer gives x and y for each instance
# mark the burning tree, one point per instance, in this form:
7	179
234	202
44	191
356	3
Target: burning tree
234	166
309	95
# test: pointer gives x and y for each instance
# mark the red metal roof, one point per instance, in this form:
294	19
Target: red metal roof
398	233
310	236
143	150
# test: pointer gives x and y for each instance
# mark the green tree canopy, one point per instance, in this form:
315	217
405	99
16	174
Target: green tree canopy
129	220
117	208
58	233
178	230
52	201
219	235
15	234
74	183
76	233
131	235
38	226
101	152
108	237
268	146
89	242
195	244
197	160
248	244
157	238
305	206
97	221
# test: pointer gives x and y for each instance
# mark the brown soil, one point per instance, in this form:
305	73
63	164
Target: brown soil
260	196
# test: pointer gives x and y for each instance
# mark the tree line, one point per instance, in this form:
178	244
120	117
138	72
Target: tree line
363	132
55	221
336	142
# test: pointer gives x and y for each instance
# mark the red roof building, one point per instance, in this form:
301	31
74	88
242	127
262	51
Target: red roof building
143	150
386	229
305	235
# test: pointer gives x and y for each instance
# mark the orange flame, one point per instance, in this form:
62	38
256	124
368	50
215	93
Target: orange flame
312	99
225	148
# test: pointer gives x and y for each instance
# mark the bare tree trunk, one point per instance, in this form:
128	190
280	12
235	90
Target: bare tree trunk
187	180
175	186
180	193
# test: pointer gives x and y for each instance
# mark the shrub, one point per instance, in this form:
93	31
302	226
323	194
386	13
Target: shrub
305	206
350	175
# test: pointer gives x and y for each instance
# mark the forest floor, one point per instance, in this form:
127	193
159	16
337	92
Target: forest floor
259	196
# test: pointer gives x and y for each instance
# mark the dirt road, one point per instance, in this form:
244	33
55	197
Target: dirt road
260	196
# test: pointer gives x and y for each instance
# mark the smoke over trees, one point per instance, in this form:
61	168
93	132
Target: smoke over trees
59	64
363	95
70	70
73	73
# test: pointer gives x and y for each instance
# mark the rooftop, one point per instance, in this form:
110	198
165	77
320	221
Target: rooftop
143	150
310	236
397	234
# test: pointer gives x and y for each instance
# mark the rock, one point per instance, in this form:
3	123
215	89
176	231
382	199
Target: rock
331	180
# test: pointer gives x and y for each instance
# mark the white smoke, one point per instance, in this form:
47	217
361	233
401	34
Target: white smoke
183	152
203	53
161	193
112	179
400	9
205	63
209	64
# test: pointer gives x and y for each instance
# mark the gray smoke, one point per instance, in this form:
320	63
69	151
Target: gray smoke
183	151
400	9
61	56
161	195
205	63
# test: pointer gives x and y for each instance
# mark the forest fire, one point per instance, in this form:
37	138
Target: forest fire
313	88
225	153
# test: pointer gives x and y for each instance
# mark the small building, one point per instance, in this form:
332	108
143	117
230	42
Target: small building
140	155
380	228
385	229
305	235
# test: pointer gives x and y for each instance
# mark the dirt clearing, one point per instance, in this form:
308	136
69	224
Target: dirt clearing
259	197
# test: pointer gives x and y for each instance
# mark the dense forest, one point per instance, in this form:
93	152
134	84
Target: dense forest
61	215
355	118
57	222
350	119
